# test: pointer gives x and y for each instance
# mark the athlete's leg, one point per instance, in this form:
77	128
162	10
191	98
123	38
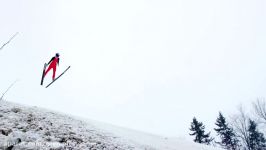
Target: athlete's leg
54	70
49	68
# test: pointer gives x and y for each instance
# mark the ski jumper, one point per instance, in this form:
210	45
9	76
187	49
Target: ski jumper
53	62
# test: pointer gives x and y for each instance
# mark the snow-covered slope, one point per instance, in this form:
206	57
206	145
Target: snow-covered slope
24	128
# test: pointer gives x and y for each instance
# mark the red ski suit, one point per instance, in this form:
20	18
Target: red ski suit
53	62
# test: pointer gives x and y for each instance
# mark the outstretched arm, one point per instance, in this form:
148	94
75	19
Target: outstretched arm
50	60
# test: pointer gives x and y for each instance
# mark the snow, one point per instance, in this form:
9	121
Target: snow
24	128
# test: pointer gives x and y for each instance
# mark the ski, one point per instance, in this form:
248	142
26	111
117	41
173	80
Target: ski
44	68
57	77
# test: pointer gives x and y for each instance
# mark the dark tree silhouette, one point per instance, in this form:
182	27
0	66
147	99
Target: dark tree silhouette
256	138
228	137
198	130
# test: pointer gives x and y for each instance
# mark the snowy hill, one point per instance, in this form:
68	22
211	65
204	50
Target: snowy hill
30	128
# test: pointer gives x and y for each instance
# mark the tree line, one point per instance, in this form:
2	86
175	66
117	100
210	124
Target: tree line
243	131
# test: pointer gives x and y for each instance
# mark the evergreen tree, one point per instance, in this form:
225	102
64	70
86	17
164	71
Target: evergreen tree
256	138
228	137
198	130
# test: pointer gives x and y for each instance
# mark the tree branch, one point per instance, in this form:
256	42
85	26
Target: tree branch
8	41
1	98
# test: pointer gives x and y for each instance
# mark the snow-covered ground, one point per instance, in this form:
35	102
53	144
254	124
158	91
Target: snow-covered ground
31	128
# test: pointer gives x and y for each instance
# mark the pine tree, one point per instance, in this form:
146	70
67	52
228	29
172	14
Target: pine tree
256	138
198	130
228	137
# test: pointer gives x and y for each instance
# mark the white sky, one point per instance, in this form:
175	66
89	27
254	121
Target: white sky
149	65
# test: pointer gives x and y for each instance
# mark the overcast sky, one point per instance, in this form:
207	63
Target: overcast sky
149	65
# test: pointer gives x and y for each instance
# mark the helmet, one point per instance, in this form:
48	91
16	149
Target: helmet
57	55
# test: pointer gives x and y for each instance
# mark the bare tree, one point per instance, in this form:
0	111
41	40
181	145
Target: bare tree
240	123
260	109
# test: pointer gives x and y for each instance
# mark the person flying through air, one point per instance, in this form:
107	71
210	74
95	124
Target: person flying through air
53	64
